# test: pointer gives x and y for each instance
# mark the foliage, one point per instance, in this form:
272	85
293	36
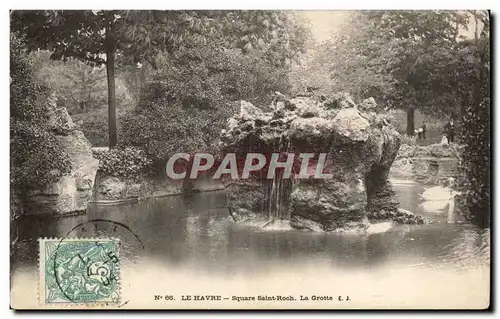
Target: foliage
207	76
153	36
477	166
475	130
122	162
25	93
165	129
143	35
94	37
434	126
79	87
37	158
93	124
82	89
276	34
396	57
66	33
272	39
185	104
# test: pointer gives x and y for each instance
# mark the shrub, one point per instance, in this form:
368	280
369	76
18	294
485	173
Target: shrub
184	106
123	162
475	185
26	95
37	157
408	140
167	129
474	128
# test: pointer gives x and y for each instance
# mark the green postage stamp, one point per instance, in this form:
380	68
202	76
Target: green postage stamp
82	271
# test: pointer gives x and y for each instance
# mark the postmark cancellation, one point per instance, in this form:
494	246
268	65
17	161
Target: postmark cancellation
79	271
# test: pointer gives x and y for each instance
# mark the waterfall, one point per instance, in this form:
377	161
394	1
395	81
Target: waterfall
270	213
279	190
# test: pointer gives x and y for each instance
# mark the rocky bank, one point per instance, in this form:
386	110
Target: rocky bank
430	165
72	192
116	189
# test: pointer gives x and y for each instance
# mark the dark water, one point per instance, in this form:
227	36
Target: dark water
198	231
174	234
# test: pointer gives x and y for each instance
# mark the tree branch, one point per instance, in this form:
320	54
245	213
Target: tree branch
90	59
67	52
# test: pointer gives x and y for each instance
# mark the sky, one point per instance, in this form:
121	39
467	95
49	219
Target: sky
324	23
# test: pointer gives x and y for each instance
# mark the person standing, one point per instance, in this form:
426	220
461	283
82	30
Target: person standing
424	130
449	130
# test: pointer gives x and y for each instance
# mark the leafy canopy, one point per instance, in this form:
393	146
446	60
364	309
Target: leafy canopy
399	57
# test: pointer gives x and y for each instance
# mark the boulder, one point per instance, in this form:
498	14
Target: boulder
111	187
74	190
58	119
331	205
341	100
249	111
346	101
351	125
368	104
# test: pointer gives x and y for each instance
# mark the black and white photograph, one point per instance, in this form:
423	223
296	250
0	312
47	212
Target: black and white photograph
250	159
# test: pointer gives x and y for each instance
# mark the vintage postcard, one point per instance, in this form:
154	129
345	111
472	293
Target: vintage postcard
238	159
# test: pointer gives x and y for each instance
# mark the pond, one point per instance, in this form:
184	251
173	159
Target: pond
178	246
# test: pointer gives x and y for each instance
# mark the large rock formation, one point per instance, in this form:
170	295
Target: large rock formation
72	191
361	148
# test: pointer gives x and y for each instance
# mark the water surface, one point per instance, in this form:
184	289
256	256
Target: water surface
185	245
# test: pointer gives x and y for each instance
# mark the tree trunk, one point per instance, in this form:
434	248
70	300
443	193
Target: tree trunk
410	121
476	27
110	71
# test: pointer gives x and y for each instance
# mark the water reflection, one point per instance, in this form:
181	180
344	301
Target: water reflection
435	203
196	232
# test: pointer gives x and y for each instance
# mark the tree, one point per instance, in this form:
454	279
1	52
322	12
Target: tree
397	57
100	37
473	66
186	101
90	36
278	37
37	157
79	87
184	105
95	37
